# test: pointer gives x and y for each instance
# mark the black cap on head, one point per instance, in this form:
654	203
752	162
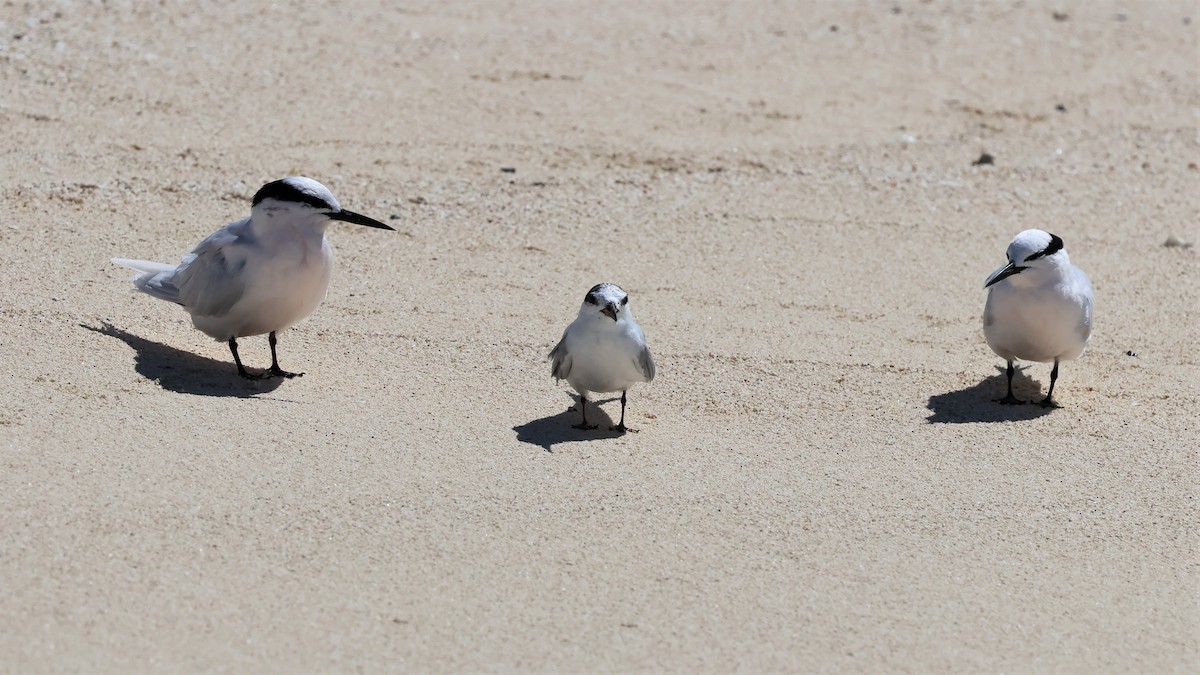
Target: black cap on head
287	190
596	295
1053	247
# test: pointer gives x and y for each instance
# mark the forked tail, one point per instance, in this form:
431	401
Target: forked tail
153	278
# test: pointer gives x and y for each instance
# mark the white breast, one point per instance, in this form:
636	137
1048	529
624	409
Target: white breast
279	292
604	360
1040	323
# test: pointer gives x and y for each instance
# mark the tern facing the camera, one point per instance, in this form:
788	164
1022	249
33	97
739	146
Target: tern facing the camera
1039	307
603	350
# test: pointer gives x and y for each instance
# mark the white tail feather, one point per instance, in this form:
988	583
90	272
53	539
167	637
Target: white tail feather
144	266
154	278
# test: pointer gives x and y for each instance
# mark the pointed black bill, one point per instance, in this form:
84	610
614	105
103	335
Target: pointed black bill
358	219
1004	273
610	310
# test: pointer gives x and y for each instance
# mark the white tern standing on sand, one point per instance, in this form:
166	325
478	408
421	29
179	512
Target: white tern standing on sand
258	275
603	350
1039	307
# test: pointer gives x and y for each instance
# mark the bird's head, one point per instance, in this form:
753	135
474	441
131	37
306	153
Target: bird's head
305	200
1030	250
606	302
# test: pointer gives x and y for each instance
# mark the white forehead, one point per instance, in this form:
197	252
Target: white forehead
1027	243
308	186
602	294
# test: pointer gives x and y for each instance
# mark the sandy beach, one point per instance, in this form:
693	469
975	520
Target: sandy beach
791	194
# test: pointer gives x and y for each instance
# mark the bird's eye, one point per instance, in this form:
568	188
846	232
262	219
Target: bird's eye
625	301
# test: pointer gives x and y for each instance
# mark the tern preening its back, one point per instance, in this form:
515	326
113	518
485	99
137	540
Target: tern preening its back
258	275
603	350
1039	307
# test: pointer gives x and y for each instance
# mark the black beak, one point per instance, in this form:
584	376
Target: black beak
610	310
358	219
1004	273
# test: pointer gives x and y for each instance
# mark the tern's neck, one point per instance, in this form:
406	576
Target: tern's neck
1058	264
606	323
1045	272
274	224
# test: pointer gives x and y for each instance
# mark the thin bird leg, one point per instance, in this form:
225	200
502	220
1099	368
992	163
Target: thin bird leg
621	425
583	410
275	369
1048	402
238	360
1009	399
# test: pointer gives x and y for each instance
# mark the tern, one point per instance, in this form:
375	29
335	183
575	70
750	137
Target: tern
259	275
1039	307
603	350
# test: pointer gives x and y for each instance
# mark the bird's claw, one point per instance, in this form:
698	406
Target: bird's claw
1049	403
267	374
621	428
1010	400
279	372
585	427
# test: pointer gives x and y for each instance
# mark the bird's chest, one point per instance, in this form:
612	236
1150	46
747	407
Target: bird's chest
294	279
604	360
600	351
1037	324
301	264
1034	308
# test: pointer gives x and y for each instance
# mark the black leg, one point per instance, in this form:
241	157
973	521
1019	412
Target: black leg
237	359
275	369
1048	402
621	425
1009	399
583	411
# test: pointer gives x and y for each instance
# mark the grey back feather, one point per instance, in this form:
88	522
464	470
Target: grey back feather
646	363
1084	329
159	285
560	359
209	280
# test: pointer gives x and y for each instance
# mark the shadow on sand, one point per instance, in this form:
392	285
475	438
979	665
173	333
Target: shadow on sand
978	403
547	431
185	372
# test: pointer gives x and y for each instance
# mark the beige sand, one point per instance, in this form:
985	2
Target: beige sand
820	482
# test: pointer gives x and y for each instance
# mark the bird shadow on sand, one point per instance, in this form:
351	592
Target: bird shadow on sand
978	403
185	372
548	431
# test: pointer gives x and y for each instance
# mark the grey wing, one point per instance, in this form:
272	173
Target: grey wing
210	280
646	363
1084	329
560	359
